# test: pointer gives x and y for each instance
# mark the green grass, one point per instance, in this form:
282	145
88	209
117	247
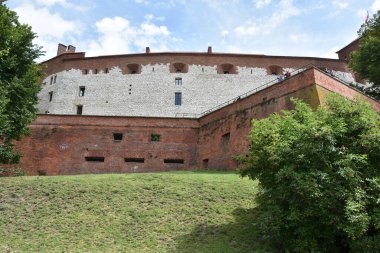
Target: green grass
152	212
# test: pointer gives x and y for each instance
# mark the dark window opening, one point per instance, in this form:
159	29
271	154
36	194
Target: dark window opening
95	71
134	160
226	72
79	109
117	136
176	161
50	96
94	159
178	81
51	80
85	71
205	163
81	91
155	137
55	78
226	137
106	71
152	69
178	98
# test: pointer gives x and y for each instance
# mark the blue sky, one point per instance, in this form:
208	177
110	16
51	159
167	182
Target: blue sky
272	27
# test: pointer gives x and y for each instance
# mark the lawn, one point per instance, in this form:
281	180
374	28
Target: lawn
150	212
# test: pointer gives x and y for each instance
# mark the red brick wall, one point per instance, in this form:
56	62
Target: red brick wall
78	61
59	144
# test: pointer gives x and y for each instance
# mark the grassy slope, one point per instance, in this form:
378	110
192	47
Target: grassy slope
162	212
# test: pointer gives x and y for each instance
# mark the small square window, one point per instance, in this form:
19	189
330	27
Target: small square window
178	81
79	109
155	137
117	136
178	98
81	91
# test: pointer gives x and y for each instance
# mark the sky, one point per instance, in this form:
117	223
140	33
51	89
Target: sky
316	28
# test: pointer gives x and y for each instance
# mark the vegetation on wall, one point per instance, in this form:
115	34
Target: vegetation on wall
319	176
18	81
366	60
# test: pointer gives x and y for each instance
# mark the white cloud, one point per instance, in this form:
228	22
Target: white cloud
117	35
261	3
375	6
285	10
340	4
225	33
51	28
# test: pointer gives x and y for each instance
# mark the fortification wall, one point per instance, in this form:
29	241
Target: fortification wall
63	145
110	89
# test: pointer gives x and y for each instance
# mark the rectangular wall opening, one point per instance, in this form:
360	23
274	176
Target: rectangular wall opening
98	159
81	91
134	160
205	163
117	136
155	137
79	109
175	161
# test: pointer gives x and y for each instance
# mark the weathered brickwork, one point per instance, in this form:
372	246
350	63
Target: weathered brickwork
129	119
73	144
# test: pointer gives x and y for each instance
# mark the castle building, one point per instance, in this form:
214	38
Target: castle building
166	110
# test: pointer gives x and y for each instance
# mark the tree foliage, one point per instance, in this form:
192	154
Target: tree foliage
366	60
319	176
18	81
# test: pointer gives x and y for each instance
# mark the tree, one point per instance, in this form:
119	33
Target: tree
319	176
366	60
19	77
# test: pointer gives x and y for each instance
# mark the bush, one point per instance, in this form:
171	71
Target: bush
319	176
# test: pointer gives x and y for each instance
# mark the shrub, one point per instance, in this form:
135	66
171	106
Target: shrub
319	176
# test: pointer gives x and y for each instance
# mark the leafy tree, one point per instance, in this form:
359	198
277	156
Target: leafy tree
366	60
18	81
319	176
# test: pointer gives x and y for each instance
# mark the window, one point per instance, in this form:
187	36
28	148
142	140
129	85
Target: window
134	160
94	159
55	78
79	109
85	71
155	137
95	71
226	137
205	163
106	71
81	91
51	80
178	81
178	98
50	96
177	161
117	136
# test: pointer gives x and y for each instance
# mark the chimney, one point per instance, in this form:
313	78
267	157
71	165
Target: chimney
61	49
147	50
209	50
70	49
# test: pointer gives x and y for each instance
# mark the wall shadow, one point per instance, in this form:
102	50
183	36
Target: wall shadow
241	236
